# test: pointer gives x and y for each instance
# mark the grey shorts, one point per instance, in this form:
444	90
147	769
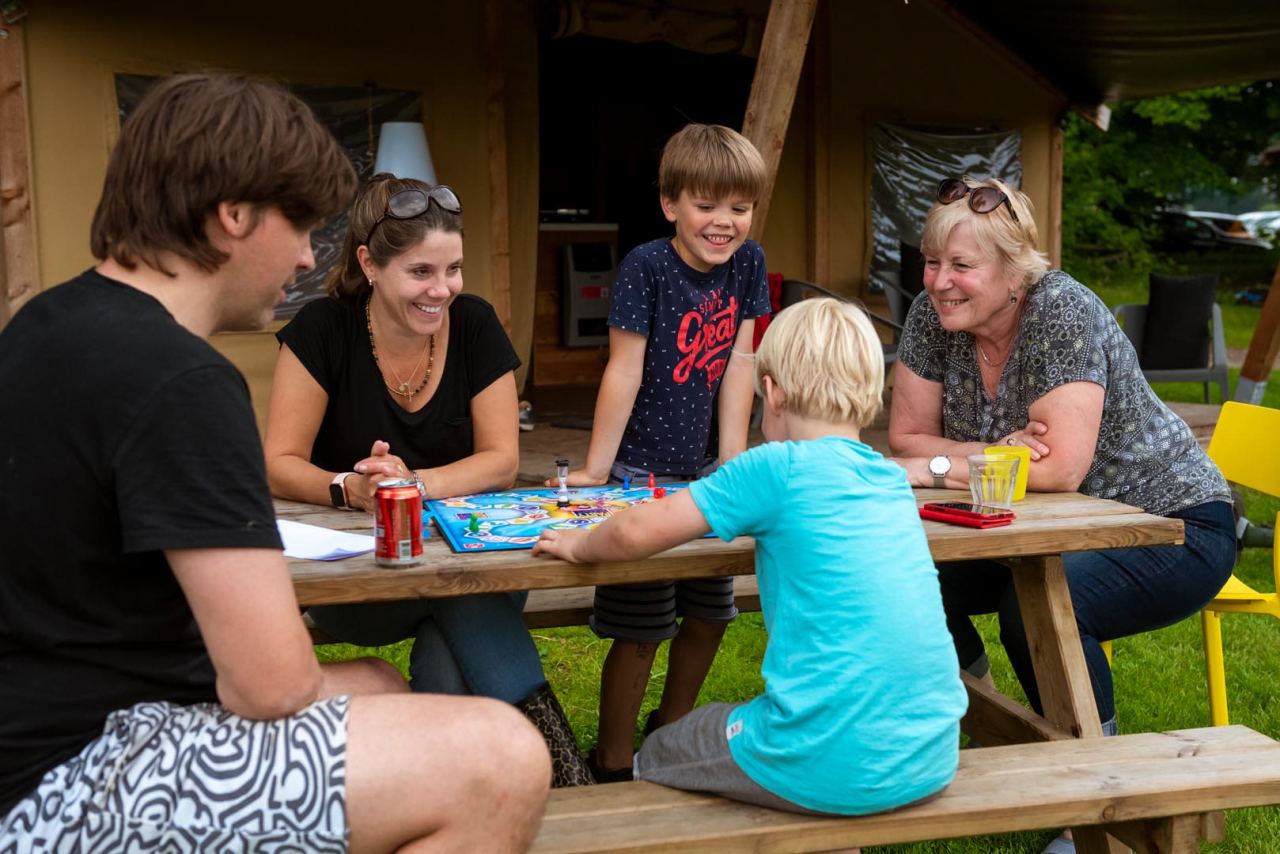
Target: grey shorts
693	754
163	777
647	612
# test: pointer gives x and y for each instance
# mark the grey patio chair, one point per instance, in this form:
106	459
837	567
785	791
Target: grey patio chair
1178	336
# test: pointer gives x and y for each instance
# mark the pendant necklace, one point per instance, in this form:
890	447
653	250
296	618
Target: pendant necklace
403	388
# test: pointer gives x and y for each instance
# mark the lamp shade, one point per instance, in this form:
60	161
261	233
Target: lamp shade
402	151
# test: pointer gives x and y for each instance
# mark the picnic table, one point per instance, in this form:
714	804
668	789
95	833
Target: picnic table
1048	525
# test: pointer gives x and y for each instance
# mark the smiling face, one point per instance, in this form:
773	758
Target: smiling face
708	230
968	289
413	291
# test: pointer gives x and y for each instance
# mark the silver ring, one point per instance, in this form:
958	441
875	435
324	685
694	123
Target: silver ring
1009	441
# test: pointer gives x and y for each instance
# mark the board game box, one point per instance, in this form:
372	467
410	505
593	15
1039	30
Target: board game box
515	518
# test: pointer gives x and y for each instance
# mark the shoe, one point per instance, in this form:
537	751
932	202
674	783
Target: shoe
1060	845
607	775
567	765
526	416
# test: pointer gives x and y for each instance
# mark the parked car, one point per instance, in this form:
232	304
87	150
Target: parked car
1205	230
1263	224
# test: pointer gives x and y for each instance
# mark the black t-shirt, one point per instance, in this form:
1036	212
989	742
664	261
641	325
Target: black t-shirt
331	340
123	434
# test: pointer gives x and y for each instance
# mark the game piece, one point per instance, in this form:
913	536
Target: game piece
659	492
562	475
626	482
474	524
651	481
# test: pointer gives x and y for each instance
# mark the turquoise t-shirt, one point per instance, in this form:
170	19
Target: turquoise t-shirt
862	702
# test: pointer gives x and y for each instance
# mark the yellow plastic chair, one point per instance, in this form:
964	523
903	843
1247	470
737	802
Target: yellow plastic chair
1246	447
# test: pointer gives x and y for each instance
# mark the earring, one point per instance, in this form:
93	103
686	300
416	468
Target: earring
1013	298
371	283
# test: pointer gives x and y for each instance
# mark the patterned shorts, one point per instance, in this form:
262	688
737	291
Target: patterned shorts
163	777
647	612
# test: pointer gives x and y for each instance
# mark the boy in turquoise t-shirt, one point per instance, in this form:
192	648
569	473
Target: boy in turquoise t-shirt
863	698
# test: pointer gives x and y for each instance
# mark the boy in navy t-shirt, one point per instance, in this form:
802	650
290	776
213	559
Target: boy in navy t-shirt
680	342
862	693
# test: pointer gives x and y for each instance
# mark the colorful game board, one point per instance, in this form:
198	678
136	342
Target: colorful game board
514	519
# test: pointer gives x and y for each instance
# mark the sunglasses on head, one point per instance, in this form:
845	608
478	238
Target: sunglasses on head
407	204
982	200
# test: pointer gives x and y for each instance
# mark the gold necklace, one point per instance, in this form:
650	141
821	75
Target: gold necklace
403	388
983	354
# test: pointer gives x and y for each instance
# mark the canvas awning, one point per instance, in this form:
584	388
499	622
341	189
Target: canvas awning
1097	51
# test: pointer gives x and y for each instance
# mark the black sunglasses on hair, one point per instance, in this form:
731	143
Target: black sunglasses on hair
982	200
407	204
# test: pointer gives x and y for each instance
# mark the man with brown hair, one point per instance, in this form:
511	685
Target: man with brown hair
157	687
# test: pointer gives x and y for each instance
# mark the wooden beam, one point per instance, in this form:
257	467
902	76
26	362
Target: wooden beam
1053	224
496	137
818	177
1263	347
773	90
19	275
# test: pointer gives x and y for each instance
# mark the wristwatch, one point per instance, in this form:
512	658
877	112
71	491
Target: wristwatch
338	492
938	467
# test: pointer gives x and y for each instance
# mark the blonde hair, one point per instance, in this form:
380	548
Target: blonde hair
1009	242
826	358
710	159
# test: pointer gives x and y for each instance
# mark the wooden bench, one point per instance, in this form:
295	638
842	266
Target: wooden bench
570	606
1156	792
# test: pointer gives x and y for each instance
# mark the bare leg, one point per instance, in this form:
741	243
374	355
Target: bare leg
623	679
361	676
692	652
435	773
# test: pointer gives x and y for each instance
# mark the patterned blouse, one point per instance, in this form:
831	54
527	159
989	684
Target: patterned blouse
1146	455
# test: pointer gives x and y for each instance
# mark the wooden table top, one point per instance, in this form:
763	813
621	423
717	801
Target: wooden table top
1047	523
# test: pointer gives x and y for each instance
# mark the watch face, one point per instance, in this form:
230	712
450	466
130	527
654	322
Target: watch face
336	495
939	465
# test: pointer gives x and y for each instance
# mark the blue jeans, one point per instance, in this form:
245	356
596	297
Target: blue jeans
1114	592
475	644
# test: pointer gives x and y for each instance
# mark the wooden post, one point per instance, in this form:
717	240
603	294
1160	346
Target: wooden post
19	277
1263	347
818	178
1053	239
496	137
773	90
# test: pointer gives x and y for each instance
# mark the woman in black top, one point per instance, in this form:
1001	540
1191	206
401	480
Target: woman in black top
397	373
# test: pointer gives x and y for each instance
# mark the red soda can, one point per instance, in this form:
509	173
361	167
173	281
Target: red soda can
397	523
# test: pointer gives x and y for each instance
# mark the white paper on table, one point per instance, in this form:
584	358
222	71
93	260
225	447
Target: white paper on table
311	542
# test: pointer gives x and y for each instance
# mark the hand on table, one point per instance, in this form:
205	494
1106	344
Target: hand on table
564	543
1028	436
380	465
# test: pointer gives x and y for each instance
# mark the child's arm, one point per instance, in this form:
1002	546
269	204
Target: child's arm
617	395
737	392
633	534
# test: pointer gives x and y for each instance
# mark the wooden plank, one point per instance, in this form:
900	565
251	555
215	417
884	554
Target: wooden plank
19	273
773	90
994	719
496	138
1048	524
1053	212
1263	347
1056	655
1119	780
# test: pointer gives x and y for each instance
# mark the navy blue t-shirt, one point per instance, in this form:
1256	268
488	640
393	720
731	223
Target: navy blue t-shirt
691	320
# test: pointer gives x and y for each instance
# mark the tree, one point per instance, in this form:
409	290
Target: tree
1157	154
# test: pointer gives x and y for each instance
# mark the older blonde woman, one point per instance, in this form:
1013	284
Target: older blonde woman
999	349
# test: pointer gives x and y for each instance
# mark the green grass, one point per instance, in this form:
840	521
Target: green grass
1159	676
